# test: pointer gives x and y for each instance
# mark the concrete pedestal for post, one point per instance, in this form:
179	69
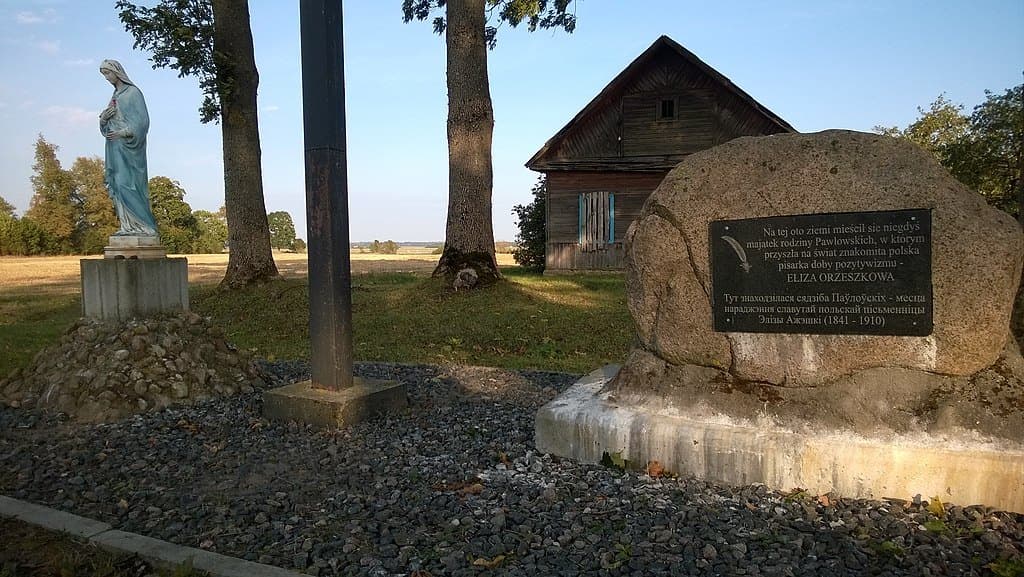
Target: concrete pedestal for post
325	409
117	289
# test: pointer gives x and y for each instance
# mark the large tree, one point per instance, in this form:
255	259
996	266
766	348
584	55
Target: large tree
97	219
213	233
985	150
54	206
936	128
178	226
212	39
469	235
990	157
282	230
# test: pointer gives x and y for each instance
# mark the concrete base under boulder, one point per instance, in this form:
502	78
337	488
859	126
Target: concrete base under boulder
325	409
587	424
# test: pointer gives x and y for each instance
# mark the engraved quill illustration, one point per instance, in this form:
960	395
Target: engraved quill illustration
739	252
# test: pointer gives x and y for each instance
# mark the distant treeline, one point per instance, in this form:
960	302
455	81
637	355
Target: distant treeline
71	213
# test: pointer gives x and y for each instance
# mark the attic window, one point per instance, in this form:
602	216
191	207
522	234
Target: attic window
667	109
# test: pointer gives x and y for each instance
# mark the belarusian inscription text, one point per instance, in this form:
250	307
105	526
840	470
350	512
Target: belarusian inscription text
838	273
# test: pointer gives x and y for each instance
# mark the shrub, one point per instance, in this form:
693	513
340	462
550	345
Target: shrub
530	241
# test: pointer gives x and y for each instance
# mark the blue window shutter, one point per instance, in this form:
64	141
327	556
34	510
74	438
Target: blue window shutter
611	218
581	216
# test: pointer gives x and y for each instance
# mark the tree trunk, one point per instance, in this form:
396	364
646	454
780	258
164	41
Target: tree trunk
250	259
469	236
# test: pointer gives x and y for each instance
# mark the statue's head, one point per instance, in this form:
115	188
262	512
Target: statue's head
108	67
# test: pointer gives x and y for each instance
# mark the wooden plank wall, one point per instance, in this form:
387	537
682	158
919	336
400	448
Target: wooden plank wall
566	256
693	129
707	115
631	190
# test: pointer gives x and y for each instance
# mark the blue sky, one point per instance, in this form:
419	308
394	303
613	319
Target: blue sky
817	64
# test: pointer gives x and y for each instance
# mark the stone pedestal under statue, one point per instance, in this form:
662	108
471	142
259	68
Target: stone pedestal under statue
134	247
134	279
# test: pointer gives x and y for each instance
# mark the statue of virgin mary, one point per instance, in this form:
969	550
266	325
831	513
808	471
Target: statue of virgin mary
124	123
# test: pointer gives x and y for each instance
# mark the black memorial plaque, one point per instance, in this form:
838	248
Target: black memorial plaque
849	273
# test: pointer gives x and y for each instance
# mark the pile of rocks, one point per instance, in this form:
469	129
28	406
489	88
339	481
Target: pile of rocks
99	372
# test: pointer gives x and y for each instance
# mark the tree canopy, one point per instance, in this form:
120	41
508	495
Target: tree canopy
212	40
213	232
984	150
178	227
179	35
536	13
282	230
470	27
53	204
72	213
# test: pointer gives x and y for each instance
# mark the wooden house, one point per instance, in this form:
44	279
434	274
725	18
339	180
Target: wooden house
603	165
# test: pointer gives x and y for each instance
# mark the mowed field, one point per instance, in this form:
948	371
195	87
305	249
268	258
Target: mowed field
60	274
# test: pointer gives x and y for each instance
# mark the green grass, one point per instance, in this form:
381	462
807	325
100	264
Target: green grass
31	321
567	323
572	323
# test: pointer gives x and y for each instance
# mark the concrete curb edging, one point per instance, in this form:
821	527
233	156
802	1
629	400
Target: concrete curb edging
583	424
153	550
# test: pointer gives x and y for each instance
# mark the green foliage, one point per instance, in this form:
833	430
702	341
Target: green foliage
386	247
985	150
538	14
532	236
177	226
97	220
990	157
282	230
213	232
71	212
936	526
6	208
22	237
54	204
179	34
1007	567
936	128
299	245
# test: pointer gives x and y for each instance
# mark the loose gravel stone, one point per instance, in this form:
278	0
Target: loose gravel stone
454	486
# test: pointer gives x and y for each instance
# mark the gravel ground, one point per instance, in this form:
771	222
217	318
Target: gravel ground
453	486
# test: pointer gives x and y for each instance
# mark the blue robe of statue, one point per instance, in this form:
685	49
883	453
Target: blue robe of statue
126	174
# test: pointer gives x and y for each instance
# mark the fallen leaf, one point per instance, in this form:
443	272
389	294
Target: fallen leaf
489	563
654	469
751	506
471	486
824	501
935	507
503	457
421	573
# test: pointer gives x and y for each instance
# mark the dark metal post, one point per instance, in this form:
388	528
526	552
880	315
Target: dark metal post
323	112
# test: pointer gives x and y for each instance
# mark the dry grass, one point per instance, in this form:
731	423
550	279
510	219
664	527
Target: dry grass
60	274
567	323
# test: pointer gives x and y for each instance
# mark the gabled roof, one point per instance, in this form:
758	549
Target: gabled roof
617	86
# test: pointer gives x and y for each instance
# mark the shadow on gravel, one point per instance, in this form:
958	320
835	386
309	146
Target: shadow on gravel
454	486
